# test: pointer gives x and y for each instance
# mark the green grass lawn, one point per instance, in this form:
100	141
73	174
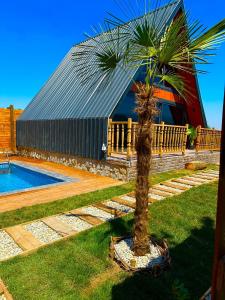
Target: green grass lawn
39	211
79	268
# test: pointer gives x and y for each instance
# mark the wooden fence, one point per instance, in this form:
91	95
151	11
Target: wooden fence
208	139
166	138
8	118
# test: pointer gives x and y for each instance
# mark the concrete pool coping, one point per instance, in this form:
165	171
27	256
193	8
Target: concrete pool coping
65	179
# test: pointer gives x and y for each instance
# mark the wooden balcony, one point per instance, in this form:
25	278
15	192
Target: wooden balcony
167	139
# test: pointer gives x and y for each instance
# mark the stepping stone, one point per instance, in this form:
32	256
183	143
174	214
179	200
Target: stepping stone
8	247
79	213
73	222
42	232
184	181
104	206
168	189
124	202
57	225
177	186
160	193
24	239
124	209
98	213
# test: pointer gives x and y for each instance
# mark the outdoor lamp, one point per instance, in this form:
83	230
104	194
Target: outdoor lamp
104	149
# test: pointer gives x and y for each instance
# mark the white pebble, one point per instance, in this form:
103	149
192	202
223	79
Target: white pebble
8	248
98	213
74	222
42	232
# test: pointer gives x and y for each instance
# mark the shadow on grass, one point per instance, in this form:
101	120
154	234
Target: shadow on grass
188	278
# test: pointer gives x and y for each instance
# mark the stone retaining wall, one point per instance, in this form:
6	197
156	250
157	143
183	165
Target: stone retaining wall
122	169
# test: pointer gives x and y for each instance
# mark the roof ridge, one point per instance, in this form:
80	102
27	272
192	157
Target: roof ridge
170	3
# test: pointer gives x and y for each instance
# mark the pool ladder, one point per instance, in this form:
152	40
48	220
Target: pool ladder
6	155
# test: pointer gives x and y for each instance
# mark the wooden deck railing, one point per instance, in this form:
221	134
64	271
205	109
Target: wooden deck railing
208	139
166	138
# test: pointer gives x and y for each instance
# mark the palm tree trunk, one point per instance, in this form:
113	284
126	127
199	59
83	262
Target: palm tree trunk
143	148
146	110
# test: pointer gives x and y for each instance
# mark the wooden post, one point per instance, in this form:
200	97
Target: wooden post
129	131
218	282
12	128
185	140
198	138
109	137
162	128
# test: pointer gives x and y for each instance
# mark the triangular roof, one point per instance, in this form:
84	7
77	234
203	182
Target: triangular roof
64	96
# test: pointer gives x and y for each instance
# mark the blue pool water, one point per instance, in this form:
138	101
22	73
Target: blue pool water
16	178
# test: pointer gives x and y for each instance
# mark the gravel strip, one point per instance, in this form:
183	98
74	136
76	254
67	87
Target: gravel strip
198	180
170	188
119	206
181	184
154	190
8	248
156	197
98	213
128	198
123	252
42	232
74	222
210	174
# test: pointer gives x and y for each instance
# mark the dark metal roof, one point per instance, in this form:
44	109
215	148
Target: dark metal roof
65	97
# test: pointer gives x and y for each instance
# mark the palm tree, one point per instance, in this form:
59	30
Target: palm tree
166	52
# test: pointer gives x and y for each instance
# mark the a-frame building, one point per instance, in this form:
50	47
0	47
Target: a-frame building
71	117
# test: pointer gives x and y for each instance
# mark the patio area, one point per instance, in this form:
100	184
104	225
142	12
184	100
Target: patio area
87	182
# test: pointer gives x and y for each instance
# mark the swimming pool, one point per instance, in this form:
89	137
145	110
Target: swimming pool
16	177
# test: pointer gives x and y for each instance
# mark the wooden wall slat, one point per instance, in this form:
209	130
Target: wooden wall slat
5	128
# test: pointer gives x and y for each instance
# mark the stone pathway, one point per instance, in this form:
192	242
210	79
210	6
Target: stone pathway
25	238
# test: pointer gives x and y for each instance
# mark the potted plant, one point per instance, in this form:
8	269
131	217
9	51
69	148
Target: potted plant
192	135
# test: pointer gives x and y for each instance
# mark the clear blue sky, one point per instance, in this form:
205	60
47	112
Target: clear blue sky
35	35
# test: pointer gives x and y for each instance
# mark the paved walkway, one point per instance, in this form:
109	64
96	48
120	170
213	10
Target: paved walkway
87	182
25	238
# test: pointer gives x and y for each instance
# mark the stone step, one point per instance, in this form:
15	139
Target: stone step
86	217
181	187
24	239
60	227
